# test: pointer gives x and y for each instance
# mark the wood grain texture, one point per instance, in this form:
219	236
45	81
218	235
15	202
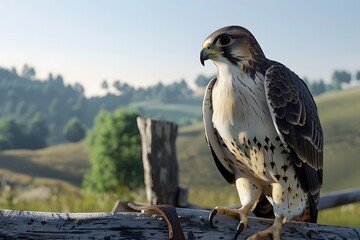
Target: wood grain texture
195	224
159	159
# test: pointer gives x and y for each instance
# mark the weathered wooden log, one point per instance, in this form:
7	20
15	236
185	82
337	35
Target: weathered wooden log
340	198
159	158
195	224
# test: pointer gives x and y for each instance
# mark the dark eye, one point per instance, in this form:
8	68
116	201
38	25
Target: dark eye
224	40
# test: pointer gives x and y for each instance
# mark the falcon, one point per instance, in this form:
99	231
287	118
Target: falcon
263	130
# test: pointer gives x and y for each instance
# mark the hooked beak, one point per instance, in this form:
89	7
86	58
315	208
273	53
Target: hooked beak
204	55
207	53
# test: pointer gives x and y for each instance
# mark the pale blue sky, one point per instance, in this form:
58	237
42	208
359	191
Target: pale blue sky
143	42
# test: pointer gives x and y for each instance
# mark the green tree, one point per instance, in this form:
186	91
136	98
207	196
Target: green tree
73	130
117	85
186	92
38	132
339	78
202	81
79	88
115	152
5	143
306	81
105	85
28	72
318	88
358	75
12	134
158	91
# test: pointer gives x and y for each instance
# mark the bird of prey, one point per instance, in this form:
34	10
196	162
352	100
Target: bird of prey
262	127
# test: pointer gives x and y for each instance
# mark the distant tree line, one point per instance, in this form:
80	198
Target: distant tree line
339	79
64	109
171	93
39	112
14	134
24	97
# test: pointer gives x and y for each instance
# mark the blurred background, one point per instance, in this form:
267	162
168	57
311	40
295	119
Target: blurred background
74	75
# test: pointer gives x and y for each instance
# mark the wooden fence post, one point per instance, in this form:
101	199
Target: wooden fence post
159	158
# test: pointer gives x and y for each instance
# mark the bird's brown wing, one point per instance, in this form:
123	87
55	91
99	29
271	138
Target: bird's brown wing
212	136
296	120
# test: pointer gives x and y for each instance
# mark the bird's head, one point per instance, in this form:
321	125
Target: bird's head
232	45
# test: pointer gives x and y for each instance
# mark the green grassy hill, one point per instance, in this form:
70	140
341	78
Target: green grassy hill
340	118
64	163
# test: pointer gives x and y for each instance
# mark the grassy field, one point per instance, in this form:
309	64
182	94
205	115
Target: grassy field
60	168
63	201
340	117
67	162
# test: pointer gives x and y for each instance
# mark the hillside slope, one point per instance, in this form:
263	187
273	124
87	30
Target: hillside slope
340	119
339	114
65	162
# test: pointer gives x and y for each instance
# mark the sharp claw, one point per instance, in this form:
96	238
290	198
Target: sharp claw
240	227
211	216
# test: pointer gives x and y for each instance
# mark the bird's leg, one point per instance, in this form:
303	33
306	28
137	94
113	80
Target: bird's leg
241	213
249	193
273	231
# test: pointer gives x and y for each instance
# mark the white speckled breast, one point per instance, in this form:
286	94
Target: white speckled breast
250	141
